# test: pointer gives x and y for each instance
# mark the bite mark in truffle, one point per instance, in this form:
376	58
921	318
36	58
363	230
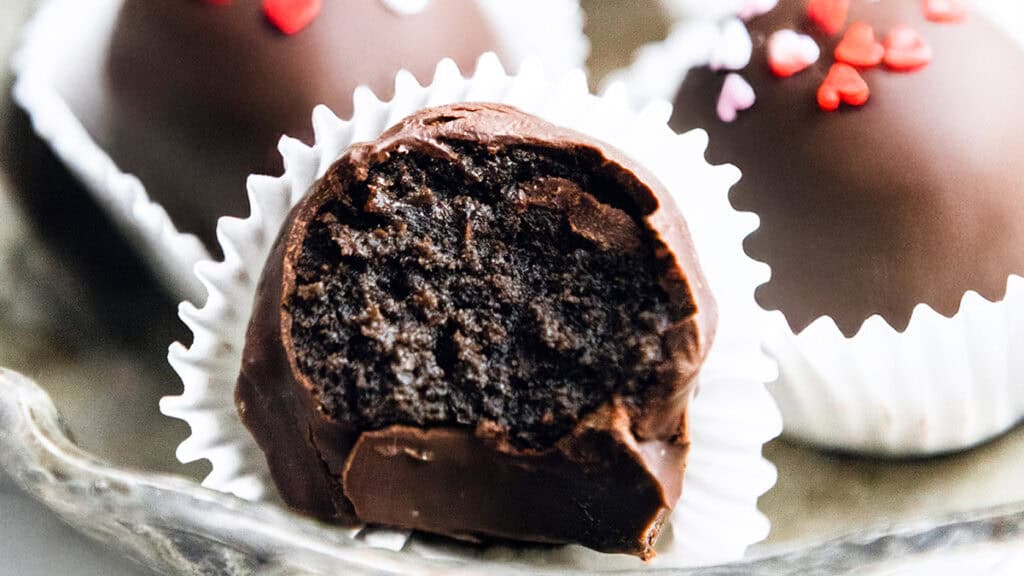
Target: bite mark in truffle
480	297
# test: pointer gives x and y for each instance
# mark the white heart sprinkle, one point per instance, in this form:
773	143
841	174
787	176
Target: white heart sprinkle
790	52
733	47
406	7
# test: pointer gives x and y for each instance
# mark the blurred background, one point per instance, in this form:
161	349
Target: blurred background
81	315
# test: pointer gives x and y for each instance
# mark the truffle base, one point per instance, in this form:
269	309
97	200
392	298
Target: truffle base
595	489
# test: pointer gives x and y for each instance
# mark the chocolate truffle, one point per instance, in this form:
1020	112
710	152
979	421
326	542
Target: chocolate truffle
484	326
195	96
914	197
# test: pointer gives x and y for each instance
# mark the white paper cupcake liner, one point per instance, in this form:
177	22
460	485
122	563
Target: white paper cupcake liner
658	68
731	417
66	34
945	384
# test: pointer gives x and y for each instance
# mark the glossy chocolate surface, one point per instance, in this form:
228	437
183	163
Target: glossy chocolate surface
914	198
609	483
194	97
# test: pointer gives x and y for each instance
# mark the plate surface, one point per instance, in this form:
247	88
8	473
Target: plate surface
175	526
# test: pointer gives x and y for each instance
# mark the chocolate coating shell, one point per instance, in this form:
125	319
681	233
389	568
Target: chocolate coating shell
609	484
561	495
194	97
914	198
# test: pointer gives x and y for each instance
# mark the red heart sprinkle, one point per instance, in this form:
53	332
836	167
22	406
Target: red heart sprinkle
859	48
291	16
906	50
945	11
843	84
829	15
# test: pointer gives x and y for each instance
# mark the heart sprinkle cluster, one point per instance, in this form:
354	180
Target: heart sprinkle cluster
789	53
904	49
289	16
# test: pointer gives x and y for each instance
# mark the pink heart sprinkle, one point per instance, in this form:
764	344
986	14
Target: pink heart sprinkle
790	52
737	95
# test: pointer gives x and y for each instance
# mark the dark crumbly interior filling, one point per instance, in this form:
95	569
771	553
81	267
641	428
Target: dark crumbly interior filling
515	287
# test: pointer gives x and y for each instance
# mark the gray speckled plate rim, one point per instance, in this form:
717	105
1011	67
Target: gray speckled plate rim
174	526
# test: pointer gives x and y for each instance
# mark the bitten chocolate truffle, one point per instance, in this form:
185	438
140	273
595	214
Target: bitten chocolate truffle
483	326
195	95
914	197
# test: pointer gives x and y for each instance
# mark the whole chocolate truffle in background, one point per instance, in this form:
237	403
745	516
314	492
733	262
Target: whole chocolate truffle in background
915	197
196	95
484	326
